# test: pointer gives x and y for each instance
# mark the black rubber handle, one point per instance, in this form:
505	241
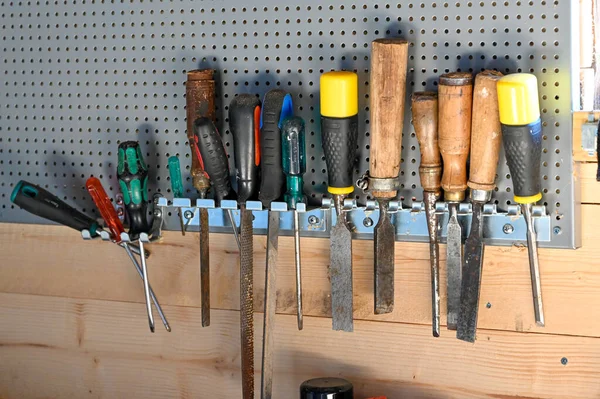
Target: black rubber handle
214	157
339	136
275	103
523	148
42	203
132	173
244	118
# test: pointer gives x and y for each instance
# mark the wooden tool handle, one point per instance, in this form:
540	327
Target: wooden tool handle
425	121
455	95
486	134
388	92
200	102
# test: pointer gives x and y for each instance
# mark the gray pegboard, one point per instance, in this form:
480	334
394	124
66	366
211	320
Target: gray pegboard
77	77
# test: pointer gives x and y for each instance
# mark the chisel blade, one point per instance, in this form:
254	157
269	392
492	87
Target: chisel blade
434	260
204	268
384	241
341	276
270	305
471	278
454	260
246	304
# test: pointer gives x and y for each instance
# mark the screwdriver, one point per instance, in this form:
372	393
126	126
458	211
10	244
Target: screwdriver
276	106
244	123
209	146
339	130
486	137
522	136
176	185
388	92
425	121
133	180
455	93
42	203
294	167
115	227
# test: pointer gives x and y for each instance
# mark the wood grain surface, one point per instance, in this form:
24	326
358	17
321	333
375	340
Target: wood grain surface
387	93
486	133
454	127
64	347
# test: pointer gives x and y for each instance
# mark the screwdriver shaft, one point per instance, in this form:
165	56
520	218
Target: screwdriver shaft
434	260
534	266
127	248
146	288
298	270
204	267
234	228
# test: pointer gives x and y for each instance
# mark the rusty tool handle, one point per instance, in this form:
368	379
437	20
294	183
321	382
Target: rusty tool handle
425	121
200	102
388	92
486	132
455	97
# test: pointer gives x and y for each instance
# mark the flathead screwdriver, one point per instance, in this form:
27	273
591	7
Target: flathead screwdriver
519	109
176	185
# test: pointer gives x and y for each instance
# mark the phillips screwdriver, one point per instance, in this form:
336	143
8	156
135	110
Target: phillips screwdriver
455	93
486	137
339	131
133	180
244	123
276	106
209	145
176	185
425	121
42	203
294	167
387	94
114	225
522	136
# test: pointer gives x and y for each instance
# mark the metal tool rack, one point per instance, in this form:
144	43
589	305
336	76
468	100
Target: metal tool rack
78	77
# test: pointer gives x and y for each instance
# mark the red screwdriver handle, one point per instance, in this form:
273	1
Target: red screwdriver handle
105	207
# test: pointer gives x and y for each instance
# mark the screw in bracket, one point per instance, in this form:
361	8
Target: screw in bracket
508	228
367	222
564	361
556	230
313	220
188	214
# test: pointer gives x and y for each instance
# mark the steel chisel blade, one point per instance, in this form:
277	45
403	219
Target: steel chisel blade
384	241
454	264
341	277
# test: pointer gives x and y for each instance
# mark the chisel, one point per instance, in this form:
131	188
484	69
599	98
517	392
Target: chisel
387	93
425	121
522	136
244	123
339	131
276	106
455	94
294	167
132	173
486	137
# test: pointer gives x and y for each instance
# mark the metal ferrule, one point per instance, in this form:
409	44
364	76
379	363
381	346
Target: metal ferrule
368	183
454	196
481	195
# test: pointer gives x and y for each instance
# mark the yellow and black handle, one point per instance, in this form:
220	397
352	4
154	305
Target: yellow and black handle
519	110
339	128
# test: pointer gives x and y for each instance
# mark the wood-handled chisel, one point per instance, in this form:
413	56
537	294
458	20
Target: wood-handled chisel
387	93
425	121
486	137
455	94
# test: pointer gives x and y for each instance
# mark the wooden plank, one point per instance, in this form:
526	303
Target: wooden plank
590	188
579	155
60	347
49	260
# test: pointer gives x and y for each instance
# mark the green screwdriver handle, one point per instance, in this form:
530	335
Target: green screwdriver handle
132	173
294	159
175	173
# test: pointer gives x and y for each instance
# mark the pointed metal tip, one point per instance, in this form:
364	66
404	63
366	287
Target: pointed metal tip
151	328
436	334
540	324
300	324
168	327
